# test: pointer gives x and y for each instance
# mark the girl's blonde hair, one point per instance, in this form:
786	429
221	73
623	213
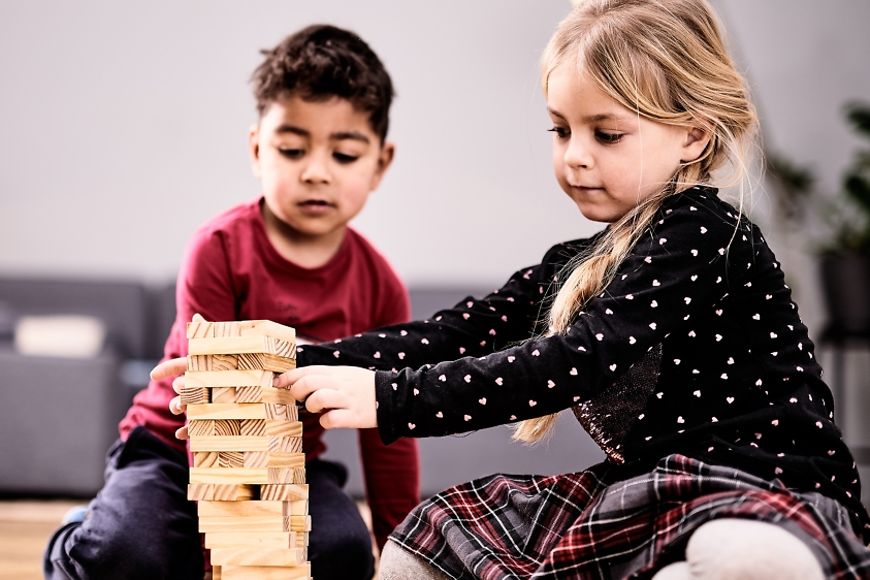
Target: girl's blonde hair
666	61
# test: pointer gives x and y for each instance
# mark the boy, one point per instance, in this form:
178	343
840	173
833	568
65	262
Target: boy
318	149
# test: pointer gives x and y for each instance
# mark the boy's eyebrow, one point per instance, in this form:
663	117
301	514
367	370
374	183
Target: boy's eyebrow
337	136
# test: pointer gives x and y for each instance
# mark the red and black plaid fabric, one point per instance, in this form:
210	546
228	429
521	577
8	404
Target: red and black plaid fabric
583	525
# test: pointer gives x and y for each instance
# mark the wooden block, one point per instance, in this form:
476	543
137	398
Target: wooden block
212	362
208	524
252	508
247	475
216	573
239	328
219	492
286	492
255	538
233	378
235	459
223	395
242	345
251	556
245	442
273	427
228	362
192	395
229	411
206	459
200	428
300	572
273	459
279	411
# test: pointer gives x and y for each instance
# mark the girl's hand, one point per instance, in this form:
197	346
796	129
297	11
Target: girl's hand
175	367
345	395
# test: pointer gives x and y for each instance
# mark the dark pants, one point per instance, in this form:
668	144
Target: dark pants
141	525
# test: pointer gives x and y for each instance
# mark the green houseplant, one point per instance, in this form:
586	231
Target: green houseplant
845	251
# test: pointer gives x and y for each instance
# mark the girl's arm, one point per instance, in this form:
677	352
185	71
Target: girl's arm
675	272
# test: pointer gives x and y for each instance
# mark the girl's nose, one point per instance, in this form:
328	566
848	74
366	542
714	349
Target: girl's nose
577	154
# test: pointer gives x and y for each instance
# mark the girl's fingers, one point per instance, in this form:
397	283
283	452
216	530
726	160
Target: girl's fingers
181	433
169	368
286	380
325	399
302	387
338	419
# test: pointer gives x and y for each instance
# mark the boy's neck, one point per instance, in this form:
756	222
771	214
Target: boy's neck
307	251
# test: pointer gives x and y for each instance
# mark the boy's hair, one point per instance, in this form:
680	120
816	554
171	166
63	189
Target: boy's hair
320	62
666	61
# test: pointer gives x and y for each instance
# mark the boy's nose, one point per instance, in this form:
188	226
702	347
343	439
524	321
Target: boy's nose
315	171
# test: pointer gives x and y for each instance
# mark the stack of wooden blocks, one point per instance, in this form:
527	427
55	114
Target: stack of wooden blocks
248	473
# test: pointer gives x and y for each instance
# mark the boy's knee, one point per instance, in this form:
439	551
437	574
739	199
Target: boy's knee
742	548
344	556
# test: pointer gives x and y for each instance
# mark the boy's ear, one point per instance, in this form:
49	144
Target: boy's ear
695	142
385	158
254	148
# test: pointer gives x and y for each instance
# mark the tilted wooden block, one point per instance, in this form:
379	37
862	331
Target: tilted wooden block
209	524
251	394
238	328
220	492
248	556
300	572
255	538
243	345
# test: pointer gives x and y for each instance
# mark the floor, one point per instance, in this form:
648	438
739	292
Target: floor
25	526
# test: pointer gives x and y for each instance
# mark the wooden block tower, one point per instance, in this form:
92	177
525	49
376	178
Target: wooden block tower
248	474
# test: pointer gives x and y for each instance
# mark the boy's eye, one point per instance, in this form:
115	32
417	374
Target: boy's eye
561	132
344	157
291	153
607	137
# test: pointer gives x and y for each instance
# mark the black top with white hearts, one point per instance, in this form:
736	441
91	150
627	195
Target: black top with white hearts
695	347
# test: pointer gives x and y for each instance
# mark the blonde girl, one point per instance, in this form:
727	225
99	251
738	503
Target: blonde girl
671	335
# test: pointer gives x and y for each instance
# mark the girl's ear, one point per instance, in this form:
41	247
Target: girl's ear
254	149
695	142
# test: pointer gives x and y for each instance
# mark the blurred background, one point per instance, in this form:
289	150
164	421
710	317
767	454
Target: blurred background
123	127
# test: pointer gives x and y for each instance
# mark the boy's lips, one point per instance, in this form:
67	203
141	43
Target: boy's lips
315	206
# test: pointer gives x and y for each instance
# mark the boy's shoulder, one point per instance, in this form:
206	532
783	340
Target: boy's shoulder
243	215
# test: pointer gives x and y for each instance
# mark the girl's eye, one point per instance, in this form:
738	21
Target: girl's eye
291	153
344	157
608	138
561	132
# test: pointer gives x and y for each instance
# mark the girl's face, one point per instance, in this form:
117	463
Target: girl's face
606	157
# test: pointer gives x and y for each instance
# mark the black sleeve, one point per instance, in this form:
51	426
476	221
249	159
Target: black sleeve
473	327
676	269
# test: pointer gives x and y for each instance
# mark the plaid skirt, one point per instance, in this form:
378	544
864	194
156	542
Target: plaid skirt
586	525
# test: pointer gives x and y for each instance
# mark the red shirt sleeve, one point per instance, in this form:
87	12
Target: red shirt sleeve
391	472
204	286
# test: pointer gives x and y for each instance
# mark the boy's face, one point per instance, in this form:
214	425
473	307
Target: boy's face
317	163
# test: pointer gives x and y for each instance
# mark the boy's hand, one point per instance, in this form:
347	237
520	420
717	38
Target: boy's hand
345	395
175	367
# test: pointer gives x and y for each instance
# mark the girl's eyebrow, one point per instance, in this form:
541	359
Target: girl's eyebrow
597	118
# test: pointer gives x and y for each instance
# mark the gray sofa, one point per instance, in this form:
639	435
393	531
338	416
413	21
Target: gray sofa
59	415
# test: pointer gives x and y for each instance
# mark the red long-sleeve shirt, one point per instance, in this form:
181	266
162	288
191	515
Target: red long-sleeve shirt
232	272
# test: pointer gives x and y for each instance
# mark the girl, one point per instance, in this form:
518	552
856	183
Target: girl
671	335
